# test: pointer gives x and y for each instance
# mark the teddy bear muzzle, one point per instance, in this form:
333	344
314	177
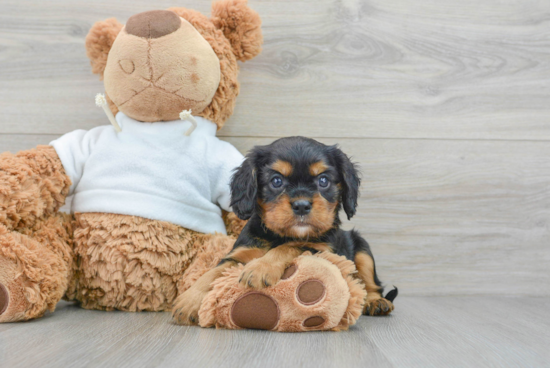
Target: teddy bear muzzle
159	65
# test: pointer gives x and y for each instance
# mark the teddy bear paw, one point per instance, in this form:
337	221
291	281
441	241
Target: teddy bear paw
311	294
13	303
4	299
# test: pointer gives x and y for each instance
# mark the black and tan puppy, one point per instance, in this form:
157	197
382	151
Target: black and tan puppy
291	191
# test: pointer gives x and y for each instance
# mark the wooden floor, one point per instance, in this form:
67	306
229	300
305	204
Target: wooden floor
423	332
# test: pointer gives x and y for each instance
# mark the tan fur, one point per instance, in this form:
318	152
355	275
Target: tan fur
279	217
375	304
282	167
33	185
240	25
37	264
356	289
321	247
245	255
186	306
98	43
223	102
322	214
131	263
209	255
268	269
317	168
233	224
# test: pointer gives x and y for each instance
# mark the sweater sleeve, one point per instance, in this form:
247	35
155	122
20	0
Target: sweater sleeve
223	160
73	150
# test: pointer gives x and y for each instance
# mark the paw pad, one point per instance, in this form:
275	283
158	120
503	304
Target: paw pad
290	270
4	299
310	292
314	321
255	310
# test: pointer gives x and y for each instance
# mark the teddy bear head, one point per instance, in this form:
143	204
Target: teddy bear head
165	61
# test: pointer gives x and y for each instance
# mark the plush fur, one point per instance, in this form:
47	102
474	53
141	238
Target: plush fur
107	261
36	265
131	263
33	185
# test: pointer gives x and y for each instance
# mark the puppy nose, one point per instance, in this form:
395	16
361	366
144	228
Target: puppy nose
153	23
301	207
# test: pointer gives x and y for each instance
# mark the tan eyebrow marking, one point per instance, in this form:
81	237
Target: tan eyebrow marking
317	168
283	167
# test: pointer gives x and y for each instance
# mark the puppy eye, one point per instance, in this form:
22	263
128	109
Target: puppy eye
276	182
324	181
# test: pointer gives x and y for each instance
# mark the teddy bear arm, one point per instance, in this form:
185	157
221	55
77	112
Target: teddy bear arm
33	185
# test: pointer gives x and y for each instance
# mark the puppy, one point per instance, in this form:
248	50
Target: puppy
291	191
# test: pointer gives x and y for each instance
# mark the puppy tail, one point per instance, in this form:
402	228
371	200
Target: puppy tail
392	294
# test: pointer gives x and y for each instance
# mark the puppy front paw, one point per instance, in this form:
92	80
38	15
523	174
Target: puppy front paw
259	274
186	307
377	307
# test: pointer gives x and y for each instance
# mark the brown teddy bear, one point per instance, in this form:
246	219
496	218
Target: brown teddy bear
147	215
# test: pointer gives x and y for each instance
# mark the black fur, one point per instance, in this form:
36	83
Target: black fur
244	188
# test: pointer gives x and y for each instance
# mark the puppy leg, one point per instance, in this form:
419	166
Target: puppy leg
267	270
375	304
187	305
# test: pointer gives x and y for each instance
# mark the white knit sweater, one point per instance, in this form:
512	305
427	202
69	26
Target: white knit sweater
151	170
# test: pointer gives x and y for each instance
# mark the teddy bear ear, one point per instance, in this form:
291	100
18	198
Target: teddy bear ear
240	25
99	42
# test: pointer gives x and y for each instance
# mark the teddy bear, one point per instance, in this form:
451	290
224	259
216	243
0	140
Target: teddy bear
151	193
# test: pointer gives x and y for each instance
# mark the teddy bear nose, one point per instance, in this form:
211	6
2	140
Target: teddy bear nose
301	207
153	23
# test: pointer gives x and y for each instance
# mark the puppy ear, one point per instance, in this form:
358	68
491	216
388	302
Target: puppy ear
350	181
244	188
99	42
240	25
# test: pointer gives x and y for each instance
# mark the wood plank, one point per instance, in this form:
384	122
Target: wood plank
468	70
445	217
422	332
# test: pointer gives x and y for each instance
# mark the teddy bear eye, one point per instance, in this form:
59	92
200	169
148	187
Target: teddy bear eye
127	66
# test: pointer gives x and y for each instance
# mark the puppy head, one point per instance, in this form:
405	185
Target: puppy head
296	185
